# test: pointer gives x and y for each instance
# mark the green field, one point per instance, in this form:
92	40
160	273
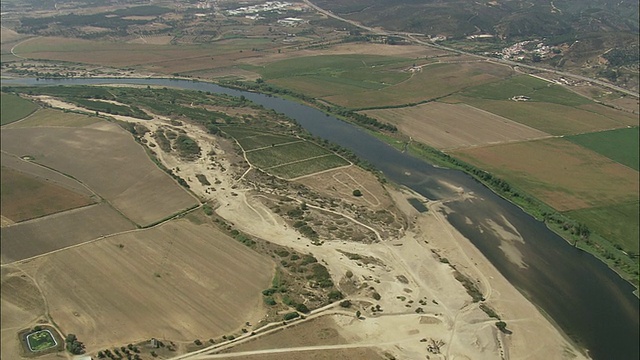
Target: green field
14	108
620	145
52	117
40	340
284	154
538	90
306	167
617	223
433	81
253	142
555	119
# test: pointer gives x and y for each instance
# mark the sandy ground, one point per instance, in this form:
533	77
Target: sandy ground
408	277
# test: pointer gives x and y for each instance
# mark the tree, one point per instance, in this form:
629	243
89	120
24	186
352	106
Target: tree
357	192
358	314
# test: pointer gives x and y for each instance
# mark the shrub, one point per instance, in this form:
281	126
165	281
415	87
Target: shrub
291	315
345	303
357	192
302	308
376	296
335	295
503	327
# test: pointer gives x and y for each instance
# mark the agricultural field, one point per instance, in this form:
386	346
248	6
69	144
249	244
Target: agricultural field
325	354
143	193
51	117
620	145
586	186
284	156
454	126
40	236
26	197
14	108
362	81
167	59
34	170
551	108
617	222
562	174
178	281
319	331
308	167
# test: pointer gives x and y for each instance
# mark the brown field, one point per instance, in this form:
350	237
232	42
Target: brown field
340	183
57	231
556	119
108	160
451	126
562	174
153	57
21	305
41	172
319	331
433	81
27	197
325	354
178	281
316	332
50	117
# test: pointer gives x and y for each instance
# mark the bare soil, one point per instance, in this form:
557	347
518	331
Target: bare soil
455	126
180	281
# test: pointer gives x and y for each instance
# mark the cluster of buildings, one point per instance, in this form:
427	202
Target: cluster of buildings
522	50
259	8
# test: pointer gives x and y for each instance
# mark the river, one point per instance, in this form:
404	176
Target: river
585	298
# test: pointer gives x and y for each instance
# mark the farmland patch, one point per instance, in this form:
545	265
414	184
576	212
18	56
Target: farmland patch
618	223
50	117
621	145
431	82
310	166
562	174
27	197
14	108
536	90
449	126
57	231
555	119
284	154
183	280
94	156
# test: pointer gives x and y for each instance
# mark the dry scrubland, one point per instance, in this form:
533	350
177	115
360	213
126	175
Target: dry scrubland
452	126
562	174
93	155
178	281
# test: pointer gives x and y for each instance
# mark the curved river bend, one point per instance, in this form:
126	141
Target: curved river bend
582	295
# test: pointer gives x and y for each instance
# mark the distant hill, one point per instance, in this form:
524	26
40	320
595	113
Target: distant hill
598	37
503	18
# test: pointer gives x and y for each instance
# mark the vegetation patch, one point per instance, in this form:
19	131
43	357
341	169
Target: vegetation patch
306	167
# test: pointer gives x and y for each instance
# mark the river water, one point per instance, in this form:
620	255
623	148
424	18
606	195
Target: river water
586	299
